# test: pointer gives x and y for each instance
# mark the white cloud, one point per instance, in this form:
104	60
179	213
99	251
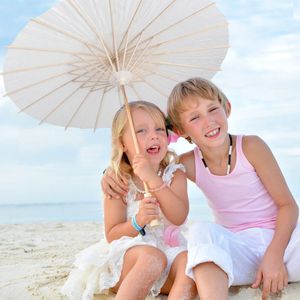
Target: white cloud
2	100
39	139
94	156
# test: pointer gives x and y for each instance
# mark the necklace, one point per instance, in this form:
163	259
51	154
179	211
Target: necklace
229	156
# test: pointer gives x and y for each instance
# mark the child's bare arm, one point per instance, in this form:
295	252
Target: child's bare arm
272	269
115	216
173	200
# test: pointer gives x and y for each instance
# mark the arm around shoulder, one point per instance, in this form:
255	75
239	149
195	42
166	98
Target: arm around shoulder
188	160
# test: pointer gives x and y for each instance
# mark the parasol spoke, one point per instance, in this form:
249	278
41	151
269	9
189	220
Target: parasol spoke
106	90
189	50
112	21
136	92
46	95
182	65
71	24
201	10
127	33
99	108
36	68
185	36
95	30
141	56
162	74
152	86
66	34
58	51
133	53
34	84
61	103
102	87
152	21
80	105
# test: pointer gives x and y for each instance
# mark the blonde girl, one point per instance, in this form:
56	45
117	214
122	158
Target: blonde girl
136	259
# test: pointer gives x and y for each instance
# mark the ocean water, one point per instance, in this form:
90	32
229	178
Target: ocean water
76	212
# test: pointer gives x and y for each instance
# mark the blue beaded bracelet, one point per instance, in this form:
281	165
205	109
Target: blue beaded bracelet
140	229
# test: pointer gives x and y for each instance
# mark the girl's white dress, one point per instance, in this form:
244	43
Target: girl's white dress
98	268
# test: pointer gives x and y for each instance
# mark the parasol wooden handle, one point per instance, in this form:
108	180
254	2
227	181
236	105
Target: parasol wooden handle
136	144
154	222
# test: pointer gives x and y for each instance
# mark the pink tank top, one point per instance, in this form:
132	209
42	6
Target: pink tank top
239	200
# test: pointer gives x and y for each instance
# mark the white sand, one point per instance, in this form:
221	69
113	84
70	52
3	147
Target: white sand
36	259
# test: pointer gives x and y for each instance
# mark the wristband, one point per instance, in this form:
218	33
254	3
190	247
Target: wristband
135	225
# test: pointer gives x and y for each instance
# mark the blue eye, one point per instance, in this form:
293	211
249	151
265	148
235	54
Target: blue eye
160	129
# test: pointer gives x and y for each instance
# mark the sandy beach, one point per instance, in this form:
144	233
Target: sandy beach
35	260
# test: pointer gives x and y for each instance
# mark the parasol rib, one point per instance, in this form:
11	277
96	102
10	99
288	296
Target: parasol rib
133	53
59	105
65	33
97	33
34	84
189	50
152	86
139	57
160	74
127	33
136	92
204	30
201	10
112	19
49	93
101	87
51	51
182	65
36	68
99	108
79	106
152	21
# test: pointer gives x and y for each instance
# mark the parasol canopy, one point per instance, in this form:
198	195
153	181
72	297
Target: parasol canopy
74	65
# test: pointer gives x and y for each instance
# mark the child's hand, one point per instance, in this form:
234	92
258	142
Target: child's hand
113	186
272	273
148	211
143	168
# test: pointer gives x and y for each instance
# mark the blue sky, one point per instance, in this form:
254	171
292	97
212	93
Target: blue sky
261	75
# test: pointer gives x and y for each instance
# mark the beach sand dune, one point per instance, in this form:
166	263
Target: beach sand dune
35	260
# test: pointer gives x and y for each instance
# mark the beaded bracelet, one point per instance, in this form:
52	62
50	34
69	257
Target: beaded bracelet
137	227
159	188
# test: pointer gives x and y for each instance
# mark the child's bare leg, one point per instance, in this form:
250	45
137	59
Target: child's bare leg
212	282
178	285
143	265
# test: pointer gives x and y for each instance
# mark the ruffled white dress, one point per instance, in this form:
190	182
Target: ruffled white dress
98	268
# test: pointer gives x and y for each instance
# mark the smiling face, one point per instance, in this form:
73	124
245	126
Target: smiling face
151	135
205	121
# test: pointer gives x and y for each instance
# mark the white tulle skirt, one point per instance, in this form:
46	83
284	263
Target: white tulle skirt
98	268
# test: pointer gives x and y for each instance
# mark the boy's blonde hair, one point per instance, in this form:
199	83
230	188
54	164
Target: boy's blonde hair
119	161
192	87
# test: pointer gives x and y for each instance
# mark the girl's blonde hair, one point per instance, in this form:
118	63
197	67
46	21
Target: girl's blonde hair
119	161
192	87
